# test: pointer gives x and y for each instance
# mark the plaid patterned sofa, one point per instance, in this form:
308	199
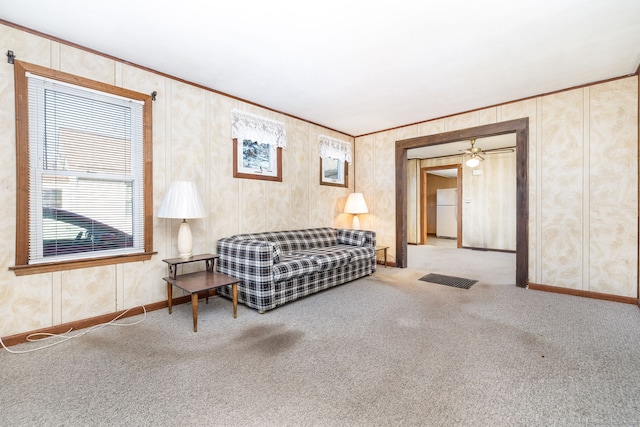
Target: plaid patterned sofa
281	266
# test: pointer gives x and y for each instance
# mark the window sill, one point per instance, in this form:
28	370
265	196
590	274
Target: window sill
23	270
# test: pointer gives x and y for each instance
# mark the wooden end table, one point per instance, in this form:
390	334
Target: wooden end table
384	249
199	281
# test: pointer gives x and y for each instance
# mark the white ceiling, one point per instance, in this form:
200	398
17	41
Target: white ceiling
357	66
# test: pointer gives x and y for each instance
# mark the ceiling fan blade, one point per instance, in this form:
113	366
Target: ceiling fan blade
500	150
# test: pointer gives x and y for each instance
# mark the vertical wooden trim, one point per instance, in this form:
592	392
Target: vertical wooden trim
522	204
22	164
424	180
459	211
401	206
148	173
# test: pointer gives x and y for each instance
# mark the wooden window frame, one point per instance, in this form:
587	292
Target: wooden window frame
22	266
335	183
237	154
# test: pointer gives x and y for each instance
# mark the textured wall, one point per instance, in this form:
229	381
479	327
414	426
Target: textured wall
489	203
191	140
583	182
413	201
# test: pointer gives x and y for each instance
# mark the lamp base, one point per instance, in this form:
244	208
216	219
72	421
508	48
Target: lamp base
185	240
356	223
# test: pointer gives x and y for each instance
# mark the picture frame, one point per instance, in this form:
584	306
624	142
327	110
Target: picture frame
252	160
334	172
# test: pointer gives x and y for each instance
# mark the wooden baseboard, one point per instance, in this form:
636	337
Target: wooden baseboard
587	294
92	321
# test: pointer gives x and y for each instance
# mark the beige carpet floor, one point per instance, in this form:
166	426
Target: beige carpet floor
387	350
496	268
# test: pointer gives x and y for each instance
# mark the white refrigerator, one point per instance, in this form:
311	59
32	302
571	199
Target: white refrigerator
447	213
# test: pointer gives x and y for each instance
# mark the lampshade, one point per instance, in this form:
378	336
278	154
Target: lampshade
355	204
473	162
181	201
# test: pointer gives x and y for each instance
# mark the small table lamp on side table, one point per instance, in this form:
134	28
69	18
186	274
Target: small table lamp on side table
182	201
356	205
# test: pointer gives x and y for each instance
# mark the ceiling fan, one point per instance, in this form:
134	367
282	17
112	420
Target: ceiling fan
475	153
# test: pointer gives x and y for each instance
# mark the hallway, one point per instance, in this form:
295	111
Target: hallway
496	268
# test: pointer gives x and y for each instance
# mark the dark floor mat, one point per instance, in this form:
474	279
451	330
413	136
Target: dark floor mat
456	282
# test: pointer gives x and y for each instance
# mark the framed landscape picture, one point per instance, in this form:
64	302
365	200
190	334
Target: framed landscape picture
333	172
253	160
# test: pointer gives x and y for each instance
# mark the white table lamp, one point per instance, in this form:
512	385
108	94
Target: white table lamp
356	205
182	201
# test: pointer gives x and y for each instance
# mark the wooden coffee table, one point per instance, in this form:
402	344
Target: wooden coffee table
200	281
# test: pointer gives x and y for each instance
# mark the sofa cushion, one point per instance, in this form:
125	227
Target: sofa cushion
327	258
291	266
350	237
295	240
319	237
358	253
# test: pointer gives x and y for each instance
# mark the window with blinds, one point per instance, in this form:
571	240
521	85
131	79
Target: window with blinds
86	180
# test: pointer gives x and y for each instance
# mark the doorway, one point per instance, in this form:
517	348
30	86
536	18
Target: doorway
440	202
521	128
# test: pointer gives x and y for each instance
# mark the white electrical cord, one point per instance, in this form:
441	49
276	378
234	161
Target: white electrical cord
64	337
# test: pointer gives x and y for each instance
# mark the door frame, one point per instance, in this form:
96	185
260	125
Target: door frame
518	126
424	171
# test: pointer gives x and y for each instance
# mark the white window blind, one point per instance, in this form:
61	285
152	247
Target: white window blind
86	184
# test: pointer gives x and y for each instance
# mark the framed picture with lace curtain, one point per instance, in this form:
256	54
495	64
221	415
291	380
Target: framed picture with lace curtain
257	147
335	156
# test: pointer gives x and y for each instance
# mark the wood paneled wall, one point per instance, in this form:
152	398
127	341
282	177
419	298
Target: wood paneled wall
191	141
582	182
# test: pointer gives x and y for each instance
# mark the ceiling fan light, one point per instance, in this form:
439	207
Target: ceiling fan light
473	162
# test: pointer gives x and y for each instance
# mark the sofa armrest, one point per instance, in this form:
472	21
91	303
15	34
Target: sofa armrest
364	238
248	260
